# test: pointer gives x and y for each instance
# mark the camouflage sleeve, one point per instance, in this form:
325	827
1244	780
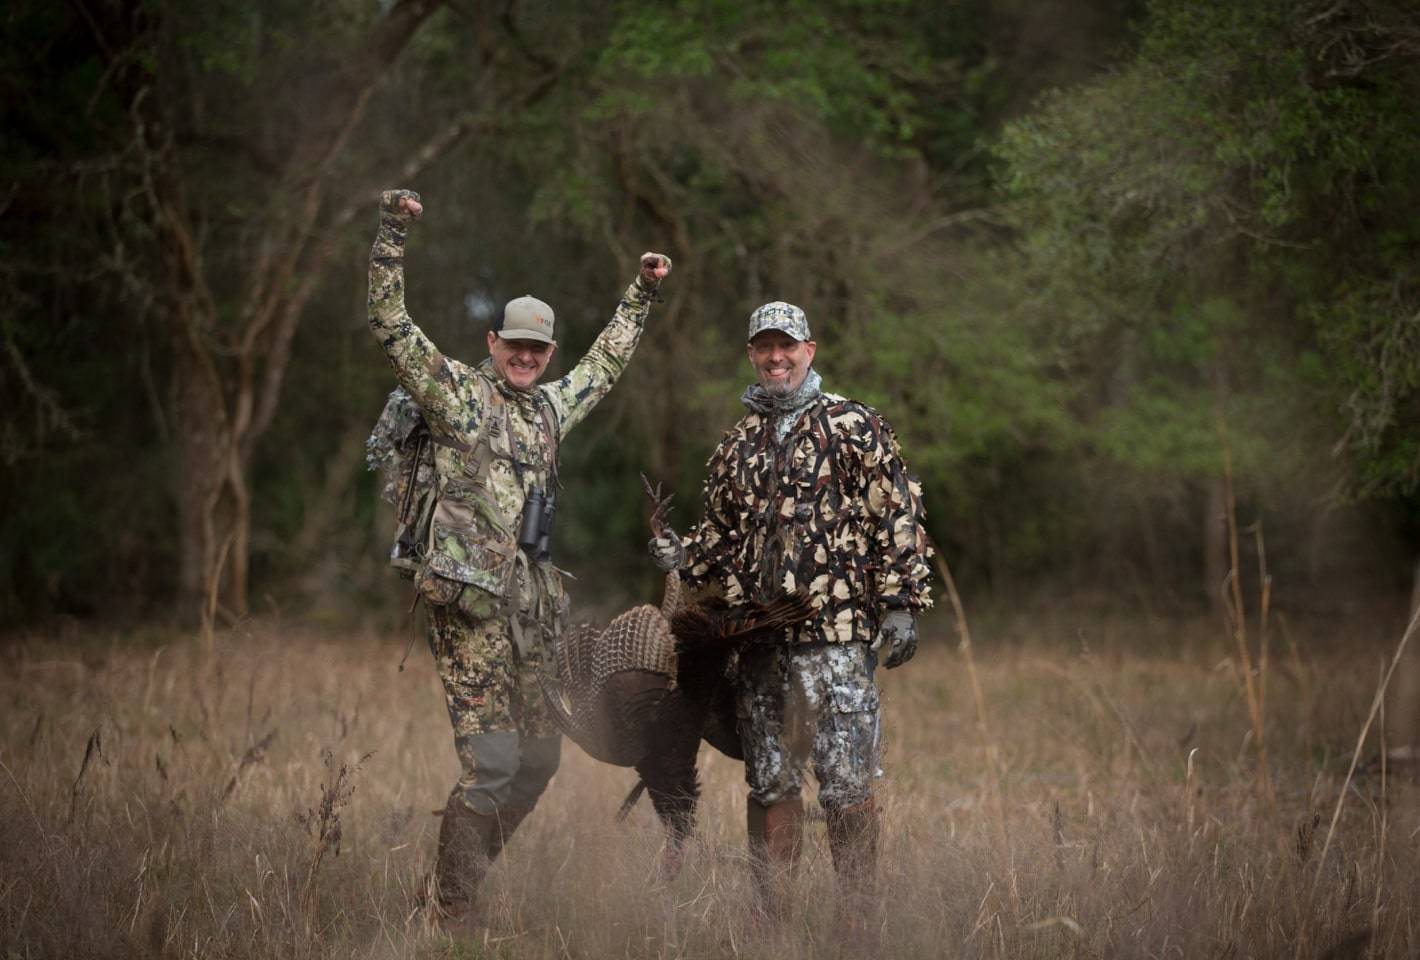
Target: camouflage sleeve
894	497
418	365
592	378
708	544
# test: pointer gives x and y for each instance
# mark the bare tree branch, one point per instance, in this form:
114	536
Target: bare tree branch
313	265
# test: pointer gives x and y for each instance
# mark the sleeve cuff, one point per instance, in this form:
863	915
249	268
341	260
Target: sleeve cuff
645	291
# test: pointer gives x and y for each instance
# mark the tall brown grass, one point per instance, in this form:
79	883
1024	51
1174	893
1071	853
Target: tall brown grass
272	796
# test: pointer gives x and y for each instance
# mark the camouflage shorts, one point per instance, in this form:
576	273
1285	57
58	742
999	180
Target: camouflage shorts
811	706
488	687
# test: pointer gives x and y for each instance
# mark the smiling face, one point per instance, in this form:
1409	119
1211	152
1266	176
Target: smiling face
519	362
780	362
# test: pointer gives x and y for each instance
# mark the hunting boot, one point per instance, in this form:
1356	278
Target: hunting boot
853	834
468	842
775	832
509	819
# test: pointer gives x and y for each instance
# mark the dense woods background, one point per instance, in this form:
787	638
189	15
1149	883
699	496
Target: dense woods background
1097	260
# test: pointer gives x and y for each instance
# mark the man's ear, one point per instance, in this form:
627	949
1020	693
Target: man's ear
810	348
492	339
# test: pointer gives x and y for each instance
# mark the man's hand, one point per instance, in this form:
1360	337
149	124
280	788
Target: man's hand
400	207
654	268
666	552
897	631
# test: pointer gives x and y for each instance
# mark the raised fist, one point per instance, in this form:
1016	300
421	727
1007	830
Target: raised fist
400	206
654	268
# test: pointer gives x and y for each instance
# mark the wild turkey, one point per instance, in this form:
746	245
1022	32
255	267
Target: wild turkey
645	690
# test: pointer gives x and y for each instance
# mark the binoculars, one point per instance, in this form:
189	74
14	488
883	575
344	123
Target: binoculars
535	530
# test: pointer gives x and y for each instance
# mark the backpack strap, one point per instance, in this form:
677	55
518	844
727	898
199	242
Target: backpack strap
406	503
548	415
481	448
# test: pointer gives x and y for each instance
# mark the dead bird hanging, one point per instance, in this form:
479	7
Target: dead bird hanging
645	690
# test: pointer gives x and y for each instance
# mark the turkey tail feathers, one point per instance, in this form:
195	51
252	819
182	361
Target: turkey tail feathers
744	623
560	708
714	622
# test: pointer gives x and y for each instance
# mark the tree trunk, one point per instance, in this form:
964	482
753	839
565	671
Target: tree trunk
1415	587
1217	556
1215	546
1405	727
230	358
228	381
201	419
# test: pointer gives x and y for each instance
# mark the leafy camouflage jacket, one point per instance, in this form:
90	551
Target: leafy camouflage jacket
831	508
475	522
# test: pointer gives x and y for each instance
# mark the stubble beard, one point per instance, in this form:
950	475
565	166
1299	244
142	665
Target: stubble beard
781	390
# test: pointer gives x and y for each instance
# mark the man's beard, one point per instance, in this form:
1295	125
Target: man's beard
782	389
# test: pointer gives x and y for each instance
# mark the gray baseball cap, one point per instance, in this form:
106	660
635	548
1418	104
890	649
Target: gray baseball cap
778	315
526	318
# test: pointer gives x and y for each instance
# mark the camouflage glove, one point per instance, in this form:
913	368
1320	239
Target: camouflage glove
667	552
897	630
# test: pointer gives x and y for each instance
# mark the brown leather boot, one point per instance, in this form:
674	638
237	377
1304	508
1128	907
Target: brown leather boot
775	836
853	834
468	842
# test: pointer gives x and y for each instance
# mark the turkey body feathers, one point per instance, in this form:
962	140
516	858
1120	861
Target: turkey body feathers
646	690
647	685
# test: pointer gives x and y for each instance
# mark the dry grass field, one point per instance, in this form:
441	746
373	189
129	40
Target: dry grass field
273	797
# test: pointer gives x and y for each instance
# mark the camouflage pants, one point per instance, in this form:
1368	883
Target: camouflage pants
507	744
811	706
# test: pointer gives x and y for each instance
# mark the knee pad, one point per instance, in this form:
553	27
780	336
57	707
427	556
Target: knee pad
490	764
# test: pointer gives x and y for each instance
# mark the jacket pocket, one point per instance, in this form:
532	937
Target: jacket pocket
470	544
851	686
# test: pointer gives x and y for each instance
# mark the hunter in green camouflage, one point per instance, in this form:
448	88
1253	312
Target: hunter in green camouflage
809	491
495	604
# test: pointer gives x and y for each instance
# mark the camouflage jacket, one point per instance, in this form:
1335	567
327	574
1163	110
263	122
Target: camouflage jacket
831	508
479	506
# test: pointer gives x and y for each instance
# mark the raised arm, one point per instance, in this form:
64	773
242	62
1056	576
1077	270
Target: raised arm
592	378
418	365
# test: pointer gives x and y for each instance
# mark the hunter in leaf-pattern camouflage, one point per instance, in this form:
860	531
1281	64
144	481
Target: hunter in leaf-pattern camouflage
809	491
494	611
473	565
830	508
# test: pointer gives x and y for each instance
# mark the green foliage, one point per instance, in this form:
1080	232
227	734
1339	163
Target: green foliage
1068	319
1234	161
849	63
1372	333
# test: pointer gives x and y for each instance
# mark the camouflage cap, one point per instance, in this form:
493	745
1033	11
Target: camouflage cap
779	315
526	318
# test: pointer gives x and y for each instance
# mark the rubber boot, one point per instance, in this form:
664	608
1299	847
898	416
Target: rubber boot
775	836
853	835
468	842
